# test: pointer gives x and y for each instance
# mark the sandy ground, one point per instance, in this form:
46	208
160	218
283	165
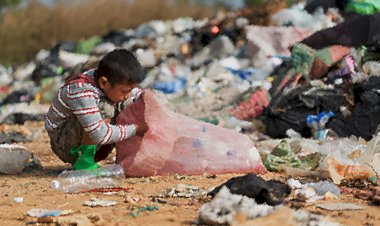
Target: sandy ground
34	187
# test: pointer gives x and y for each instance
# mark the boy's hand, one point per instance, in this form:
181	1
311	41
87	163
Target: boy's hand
141	129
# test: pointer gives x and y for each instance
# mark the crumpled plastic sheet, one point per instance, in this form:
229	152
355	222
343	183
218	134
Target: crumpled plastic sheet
14	158
224	207
253	107
99	202
265	42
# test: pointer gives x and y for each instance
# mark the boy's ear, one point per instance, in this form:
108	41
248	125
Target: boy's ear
103	82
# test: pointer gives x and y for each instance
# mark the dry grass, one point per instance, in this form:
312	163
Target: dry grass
261	14
24	31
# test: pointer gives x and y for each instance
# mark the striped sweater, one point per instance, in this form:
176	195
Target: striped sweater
80	99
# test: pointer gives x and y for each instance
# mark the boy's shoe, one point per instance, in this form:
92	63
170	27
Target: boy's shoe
84	160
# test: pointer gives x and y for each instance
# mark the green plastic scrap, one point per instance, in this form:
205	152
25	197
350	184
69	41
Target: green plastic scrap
366	7
302	58
143	209
311	161
325	56
282	154
86	46
60	70
374	180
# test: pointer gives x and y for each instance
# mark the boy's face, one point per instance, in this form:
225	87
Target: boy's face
118	92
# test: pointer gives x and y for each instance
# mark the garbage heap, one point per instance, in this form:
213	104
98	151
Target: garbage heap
309	74
206	68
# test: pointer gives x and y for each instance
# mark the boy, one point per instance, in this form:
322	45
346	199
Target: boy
78	120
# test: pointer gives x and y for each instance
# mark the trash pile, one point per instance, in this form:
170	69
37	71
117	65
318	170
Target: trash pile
311	78
223	68
300	96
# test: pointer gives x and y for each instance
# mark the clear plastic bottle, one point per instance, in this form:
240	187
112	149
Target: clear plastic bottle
108	176
322	187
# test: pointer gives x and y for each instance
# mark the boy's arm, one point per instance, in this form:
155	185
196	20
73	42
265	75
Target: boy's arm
82	102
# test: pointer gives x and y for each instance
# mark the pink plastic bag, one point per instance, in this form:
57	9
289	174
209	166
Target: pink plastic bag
175	143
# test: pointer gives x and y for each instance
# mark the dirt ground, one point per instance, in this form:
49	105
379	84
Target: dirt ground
34	187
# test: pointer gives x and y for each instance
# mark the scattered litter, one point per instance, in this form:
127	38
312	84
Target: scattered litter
20	118
322	187
340	206
108	190
227	208
14	159
339	171
19	199
143	209
282	154
105	179
224	207
40	213
314	191
287	216
99	202
159	200
67	212
271	192
369	193
75	220
13	137
110	193
212	176
184	191
180	177
131	199
62	205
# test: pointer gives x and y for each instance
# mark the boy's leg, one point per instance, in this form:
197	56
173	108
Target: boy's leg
71	135
66	137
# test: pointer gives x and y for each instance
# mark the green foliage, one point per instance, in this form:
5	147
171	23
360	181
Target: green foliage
26	30
254	2
8	2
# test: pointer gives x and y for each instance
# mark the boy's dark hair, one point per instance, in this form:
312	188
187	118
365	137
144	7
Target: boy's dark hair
120	66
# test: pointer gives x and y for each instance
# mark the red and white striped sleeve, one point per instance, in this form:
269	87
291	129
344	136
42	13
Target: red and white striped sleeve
82	100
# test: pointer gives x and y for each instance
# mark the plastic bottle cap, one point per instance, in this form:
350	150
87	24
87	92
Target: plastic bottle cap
54	184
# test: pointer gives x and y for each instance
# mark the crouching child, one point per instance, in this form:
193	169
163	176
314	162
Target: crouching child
81	119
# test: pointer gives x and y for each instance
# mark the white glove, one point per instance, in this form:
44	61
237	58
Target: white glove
136	94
